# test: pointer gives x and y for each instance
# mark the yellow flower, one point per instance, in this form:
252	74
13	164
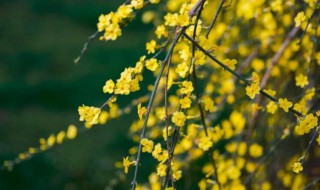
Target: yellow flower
230	63
306	124
89	114
272	107
182	69
252	90
124	11
183	20
299	18
154	1
185	102
141	111
301	80
151	46
208	104
270	92
137	4
199	58
60	137
205	143
157	151
112	32
108	87
51	140
126	164
134	85
161	170
72	132
187	87
178	119
285	104
297	167
147	145
184	53
163	157
171	19
152	64
161	31
255	78
122	87
164	132
177	175
139	65
104	21
255	150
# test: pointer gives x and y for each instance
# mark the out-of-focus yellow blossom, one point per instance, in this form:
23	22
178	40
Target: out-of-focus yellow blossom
183	20
238	121
182	69
187	87
147	145
60	137
161	170
255	150
154	1
171	19
103	118
285	104
126	164
205	143
208	104
230	63
306	124
272	107
141	111
151	46
72	132
157	150
257	65
185	102
300	108
299	18
137	4
301	80
51	140
270	92
161	31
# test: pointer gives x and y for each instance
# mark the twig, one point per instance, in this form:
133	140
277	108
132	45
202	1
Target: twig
309	20
195	8
237	74
169	168
215	17
177	36
202	116
277	56
303	158
312	183
86	46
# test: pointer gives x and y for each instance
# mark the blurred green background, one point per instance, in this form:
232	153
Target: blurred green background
41	89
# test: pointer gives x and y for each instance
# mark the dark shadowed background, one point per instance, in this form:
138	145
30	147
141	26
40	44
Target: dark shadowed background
41	89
